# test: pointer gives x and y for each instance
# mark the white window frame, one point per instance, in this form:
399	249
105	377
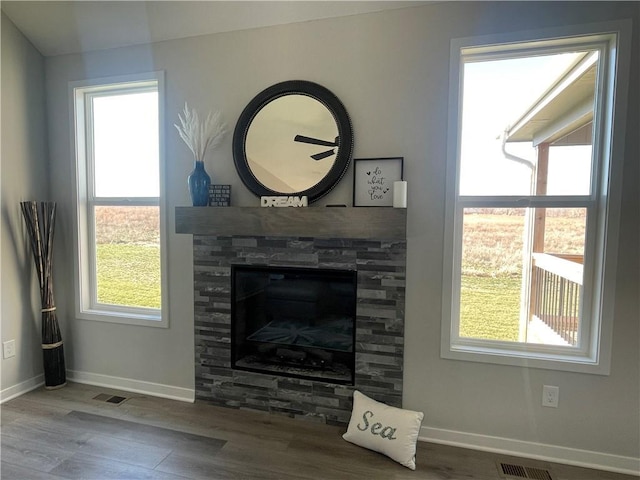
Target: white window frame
594	353
86	305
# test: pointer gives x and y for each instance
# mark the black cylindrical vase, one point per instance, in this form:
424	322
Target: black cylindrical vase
40	222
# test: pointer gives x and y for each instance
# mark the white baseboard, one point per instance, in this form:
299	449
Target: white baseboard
537	451
131	385
21	388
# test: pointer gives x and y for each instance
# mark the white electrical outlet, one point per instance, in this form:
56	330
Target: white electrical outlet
550	396
9	349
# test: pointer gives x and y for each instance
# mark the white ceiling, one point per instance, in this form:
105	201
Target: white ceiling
57	28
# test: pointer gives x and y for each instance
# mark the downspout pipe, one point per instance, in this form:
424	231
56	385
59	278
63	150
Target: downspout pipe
515	158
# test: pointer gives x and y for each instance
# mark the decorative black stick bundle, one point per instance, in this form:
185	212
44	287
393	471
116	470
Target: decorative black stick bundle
40	220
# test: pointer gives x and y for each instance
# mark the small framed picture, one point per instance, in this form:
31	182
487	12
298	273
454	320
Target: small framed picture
373	181
219	195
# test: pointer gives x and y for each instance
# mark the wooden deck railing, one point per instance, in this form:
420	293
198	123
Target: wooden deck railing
556	290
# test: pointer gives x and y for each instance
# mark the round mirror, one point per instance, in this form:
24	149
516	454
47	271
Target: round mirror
294	138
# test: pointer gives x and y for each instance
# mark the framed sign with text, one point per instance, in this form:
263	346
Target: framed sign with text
373	181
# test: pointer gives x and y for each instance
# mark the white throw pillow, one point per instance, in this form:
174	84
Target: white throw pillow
388	430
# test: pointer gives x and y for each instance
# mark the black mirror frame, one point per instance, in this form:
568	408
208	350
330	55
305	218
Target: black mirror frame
290	87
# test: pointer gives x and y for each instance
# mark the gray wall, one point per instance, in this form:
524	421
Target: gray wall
391	71
24	176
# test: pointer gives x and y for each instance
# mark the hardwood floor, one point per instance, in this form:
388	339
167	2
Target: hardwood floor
67	433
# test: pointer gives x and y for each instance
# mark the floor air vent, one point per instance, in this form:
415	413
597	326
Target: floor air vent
509	470
103	397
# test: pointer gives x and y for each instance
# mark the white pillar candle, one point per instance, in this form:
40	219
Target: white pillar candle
400	194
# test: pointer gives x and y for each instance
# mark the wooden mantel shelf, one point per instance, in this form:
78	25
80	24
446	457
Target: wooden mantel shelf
382	223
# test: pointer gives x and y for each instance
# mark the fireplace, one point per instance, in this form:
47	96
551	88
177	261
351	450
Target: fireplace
294	322
369	243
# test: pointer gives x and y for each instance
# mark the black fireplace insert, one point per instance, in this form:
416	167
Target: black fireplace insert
297	322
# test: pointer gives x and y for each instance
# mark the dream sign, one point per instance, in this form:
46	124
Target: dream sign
284	201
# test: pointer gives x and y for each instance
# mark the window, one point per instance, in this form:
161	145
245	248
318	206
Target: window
532	193
120	274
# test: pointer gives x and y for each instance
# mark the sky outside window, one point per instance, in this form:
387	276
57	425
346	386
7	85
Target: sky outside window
495	94
126	145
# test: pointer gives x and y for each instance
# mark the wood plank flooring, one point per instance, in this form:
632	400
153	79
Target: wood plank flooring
68	434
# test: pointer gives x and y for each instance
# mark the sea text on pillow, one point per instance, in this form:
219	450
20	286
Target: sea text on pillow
386	432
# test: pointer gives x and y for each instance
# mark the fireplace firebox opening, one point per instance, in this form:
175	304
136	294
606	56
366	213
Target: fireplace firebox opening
295	322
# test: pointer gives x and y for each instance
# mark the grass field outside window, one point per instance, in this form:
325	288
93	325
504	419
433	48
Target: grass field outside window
128	256
491	280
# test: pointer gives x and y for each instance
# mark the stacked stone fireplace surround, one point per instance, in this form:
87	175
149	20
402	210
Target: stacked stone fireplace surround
379	347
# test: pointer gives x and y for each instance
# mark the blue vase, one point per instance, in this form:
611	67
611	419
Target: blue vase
199	182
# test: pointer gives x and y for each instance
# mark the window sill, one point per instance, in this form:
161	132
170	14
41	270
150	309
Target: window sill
521	357
128	318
